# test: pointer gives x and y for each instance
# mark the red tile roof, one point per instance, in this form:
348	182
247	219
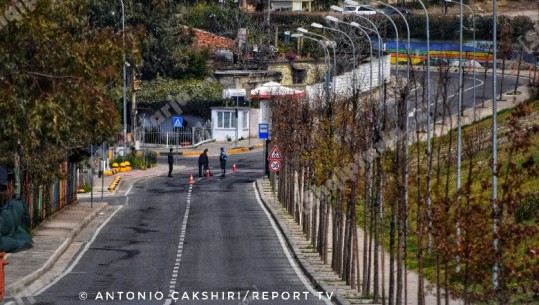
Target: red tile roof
203	39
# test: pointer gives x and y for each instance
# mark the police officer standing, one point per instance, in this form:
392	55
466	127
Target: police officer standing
222	161
170	163
203	162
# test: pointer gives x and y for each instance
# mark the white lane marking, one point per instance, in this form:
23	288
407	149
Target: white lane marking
129	190
414	110
183	231
285	248
76	261
465	90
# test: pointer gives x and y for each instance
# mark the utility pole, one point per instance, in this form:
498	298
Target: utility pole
133	107
135	87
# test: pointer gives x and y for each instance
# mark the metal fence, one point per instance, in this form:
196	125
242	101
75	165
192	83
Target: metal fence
44	201
188	136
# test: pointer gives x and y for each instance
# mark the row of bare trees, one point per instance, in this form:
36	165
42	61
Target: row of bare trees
362	160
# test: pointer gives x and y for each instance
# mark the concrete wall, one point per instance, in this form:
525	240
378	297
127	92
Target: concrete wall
344	82
248	80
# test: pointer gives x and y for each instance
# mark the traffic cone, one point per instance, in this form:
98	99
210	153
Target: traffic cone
207	173
191	180
234	168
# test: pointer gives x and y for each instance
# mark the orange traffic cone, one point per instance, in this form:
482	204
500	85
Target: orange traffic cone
234	168
191	180
207	173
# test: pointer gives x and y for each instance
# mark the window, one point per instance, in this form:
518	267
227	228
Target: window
226	119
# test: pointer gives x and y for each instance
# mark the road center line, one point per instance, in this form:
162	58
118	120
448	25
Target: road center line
180	247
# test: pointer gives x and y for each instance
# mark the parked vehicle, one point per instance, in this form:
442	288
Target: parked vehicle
467	64
393	11
439	62
359	10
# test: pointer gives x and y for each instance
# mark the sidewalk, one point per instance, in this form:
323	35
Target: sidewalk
55	235
51	239
321	274
214	148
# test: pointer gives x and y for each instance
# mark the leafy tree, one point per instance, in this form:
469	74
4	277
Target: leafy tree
164	40
55	71
223	20
165	89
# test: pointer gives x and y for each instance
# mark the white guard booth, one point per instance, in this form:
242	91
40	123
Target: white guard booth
231	123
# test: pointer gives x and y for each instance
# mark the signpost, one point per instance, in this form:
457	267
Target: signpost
275	165
263	131
177	122
275	154
275	157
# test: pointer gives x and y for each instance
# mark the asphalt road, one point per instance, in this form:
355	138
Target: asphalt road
483	92
211	243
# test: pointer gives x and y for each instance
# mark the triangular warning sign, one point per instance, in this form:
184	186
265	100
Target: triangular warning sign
275	154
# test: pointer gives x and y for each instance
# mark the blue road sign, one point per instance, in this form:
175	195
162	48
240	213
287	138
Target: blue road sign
177	122
263	130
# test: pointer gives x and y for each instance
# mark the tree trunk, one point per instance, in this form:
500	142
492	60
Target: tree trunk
17	174
518	69
501	81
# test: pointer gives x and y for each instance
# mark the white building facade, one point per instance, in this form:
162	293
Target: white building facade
226	126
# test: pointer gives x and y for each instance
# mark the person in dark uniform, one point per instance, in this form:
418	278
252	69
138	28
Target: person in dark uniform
203	162
222	161
170	162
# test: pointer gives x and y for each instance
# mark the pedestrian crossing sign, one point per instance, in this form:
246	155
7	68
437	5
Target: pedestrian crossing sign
177	122
275	154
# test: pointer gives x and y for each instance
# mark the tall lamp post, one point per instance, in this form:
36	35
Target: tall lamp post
459	132
495	224
124	78
397	54
332	45
326	54
473	42
380	60
355	25
319	26
405	140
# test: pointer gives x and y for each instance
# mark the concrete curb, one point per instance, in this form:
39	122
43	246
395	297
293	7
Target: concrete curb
19	285
192	153
238	150
302	263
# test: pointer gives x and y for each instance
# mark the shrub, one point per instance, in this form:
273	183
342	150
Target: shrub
528	209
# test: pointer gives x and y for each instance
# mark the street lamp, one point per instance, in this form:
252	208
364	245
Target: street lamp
326	55
397	54
473	42
496	219
332	45
124	78
380	55
355	25
459	132
319	26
